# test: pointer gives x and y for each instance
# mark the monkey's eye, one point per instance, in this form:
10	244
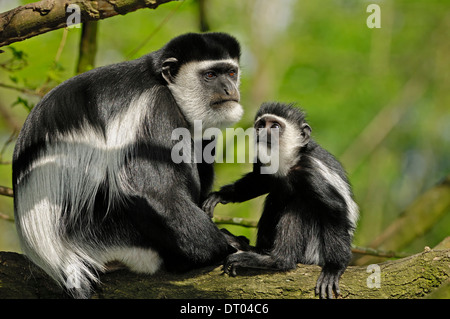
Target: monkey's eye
275	125
232	73
210	75
260	125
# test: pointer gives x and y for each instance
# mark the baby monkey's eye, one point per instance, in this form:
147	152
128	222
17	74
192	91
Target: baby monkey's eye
275	125
260	125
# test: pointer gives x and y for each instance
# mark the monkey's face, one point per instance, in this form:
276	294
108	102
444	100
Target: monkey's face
269	130
268	126
279	141
208	91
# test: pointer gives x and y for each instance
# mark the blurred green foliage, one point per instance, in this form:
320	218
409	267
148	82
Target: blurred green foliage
319	54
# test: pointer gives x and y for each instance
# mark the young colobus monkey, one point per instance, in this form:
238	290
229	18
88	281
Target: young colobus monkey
93	176
309	214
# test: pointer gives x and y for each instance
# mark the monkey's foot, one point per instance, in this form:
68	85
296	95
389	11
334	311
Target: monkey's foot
327	283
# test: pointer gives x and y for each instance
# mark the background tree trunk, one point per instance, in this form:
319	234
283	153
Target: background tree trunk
88	47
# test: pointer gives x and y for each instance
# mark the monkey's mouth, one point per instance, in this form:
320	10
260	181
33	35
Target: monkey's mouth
267	145
264	140
223	101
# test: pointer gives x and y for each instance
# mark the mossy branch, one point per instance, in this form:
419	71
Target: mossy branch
47	15
416	276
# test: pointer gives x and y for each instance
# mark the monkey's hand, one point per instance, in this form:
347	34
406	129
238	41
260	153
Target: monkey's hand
211	201
328	283
246	259
240	243
234	261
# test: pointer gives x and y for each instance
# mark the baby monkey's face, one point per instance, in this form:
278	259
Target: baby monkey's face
279	141
268	129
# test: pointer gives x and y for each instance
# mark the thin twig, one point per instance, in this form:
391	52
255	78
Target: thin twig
20	89
146	40
378	253
62	44
44	87
11	139
9	118
6	217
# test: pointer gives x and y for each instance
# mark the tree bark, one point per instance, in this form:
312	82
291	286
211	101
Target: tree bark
36	18
417	276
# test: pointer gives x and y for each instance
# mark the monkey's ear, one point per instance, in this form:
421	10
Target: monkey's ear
167	67
306	133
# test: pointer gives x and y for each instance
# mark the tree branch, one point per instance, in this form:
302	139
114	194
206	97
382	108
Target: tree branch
6	191
415	221
238	221
411	277
40	17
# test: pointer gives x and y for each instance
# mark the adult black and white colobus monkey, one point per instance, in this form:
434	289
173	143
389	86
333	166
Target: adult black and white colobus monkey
309	214
92	170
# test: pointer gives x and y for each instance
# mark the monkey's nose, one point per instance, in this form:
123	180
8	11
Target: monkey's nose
230	92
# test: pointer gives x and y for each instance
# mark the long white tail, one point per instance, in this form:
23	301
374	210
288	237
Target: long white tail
41	206
72	267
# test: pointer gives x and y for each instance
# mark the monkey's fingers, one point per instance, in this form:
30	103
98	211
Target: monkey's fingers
209	204
336	288
330	290
323	289
230	264
233	271
318	290
229	269
326	284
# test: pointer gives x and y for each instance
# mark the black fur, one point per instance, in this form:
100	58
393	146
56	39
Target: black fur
306	218
198	47
160	207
